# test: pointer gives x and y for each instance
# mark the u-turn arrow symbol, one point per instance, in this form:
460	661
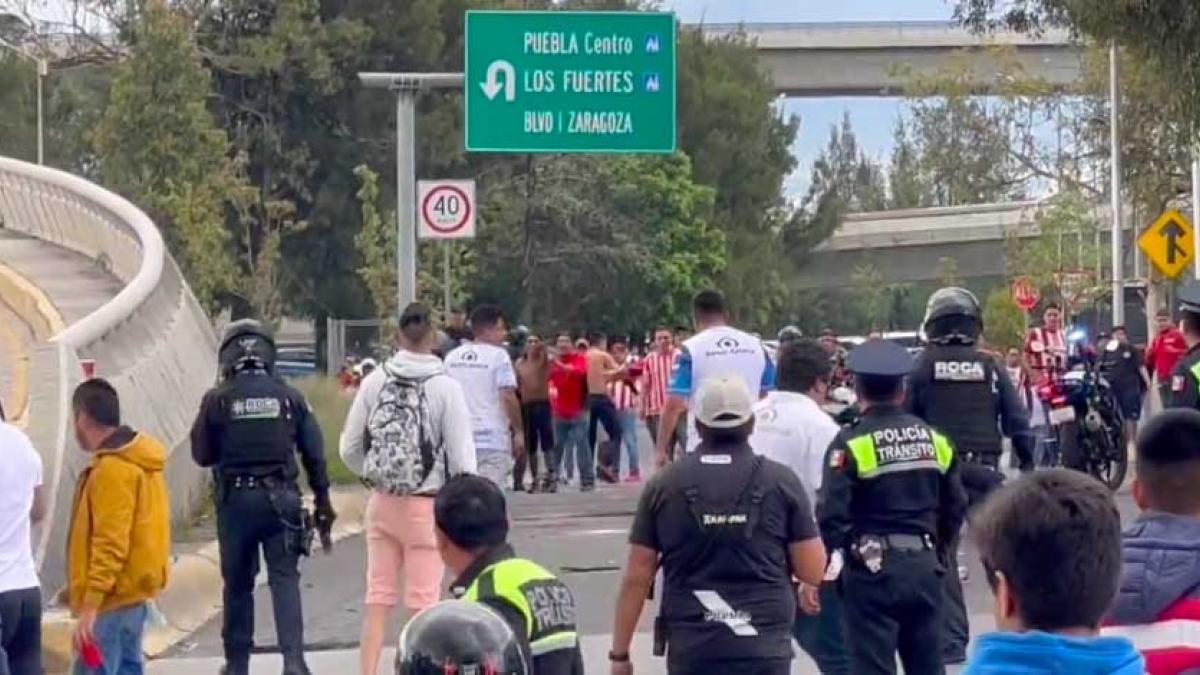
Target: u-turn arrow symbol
491	87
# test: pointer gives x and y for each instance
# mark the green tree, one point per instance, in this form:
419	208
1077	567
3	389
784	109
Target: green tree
739	145
906	189
1162	35
158	144
1003	321
1064	259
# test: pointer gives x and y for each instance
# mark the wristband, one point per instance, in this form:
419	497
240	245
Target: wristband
618	657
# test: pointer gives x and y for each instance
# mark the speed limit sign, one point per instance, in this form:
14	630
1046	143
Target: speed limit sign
446	209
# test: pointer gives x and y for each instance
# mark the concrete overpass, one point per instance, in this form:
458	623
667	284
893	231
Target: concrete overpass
876	59
908	245
89	279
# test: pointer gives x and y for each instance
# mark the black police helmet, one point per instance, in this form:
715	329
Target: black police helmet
789	334
455	636
952	314
246	344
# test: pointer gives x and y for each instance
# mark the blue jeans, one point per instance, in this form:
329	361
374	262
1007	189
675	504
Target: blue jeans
119	637
629	424
571	448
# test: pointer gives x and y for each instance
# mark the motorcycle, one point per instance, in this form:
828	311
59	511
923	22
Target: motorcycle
1086	422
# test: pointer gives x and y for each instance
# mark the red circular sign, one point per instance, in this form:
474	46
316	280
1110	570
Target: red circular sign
446	209
1025	294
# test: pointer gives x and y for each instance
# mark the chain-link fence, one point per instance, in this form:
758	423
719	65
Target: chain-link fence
358	339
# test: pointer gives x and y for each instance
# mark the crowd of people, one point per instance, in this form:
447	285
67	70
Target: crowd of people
770	515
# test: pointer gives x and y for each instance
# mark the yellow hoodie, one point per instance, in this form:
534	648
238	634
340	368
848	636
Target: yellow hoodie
119	544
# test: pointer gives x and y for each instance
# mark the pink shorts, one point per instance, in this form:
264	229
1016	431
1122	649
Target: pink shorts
400	535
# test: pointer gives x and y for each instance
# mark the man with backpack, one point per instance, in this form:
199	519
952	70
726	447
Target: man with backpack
407	432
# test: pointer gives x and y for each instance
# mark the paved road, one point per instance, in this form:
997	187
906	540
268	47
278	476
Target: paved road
582	537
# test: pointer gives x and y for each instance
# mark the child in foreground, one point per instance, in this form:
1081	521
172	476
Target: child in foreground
1050	544
1158	605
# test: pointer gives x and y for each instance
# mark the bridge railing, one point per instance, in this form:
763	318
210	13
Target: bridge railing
152	340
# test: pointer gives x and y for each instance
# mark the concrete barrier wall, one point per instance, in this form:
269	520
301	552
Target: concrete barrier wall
152	341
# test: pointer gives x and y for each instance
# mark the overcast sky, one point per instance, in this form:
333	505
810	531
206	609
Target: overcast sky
873	118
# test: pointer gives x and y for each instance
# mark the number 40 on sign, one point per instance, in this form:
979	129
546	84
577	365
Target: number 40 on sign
446	209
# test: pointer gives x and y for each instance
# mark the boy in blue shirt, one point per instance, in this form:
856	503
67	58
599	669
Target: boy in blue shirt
1050	544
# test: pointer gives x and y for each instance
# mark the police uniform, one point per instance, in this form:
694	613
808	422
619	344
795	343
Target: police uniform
533	601
891	494
248	430
1185	379
964	393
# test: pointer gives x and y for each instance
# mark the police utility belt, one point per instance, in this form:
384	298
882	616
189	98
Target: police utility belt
869	549
302	532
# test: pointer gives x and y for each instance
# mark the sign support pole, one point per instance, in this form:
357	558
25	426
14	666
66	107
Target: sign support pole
406	200
1196	205
1118	282
407	86
446	294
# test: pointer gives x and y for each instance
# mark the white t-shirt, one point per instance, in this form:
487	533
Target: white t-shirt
20	473
483	371
792	429
720	350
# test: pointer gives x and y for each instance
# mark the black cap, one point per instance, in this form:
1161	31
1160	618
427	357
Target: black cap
880	358
1189	298
415	312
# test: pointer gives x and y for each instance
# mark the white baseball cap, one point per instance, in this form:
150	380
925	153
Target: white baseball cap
723	402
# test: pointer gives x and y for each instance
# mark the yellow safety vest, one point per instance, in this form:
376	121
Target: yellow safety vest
540	597
862	448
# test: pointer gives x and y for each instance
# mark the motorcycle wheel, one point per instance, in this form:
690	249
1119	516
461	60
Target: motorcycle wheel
1111	461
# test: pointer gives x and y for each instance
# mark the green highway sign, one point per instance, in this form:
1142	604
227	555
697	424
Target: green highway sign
561	81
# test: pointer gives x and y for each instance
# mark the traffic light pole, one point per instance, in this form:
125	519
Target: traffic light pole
407	86
1118	272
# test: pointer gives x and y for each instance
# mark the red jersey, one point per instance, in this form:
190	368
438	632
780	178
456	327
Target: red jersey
568	386
655	379
1164	352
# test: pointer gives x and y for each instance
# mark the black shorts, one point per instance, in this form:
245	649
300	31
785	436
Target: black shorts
1131	404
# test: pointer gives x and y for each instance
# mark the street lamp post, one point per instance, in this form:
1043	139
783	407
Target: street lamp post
43	69
407	86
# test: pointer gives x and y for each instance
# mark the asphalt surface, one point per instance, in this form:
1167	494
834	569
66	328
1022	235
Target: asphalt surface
579	536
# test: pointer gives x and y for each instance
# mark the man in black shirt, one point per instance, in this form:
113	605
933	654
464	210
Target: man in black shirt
730	530
1121	364
891	495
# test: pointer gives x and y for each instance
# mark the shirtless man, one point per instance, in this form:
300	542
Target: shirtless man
533	374
602	368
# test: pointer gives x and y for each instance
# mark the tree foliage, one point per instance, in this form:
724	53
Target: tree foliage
158	144
1003	321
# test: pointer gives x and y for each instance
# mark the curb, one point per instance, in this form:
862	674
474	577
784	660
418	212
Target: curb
193	593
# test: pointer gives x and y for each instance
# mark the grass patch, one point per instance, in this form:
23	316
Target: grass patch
330	404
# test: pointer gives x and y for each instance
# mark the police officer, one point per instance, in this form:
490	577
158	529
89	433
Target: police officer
891	493
455	636
1185	379
248	430
964	393
472	532
731	529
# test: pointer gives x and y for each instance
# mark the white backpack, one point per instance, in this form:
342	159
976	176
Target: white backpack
400	453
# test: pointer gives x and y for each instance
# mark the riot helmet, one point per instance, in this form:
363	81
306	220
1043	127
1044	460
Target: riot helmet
456	636
246	345
953	316
789	334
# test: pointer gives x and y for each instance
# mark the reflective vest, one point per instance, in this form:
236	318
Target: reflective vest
544	602
867	459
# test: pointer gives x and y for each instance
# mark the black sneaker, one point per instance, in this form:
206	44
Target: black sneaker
587	487
606	474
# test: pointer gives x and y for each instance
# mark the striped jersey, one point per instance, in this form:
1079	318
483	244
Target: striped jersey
655	379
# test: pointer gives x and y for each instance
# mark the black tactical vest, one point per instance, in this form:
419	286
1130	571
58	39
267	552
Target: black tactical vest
961	398
258	429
